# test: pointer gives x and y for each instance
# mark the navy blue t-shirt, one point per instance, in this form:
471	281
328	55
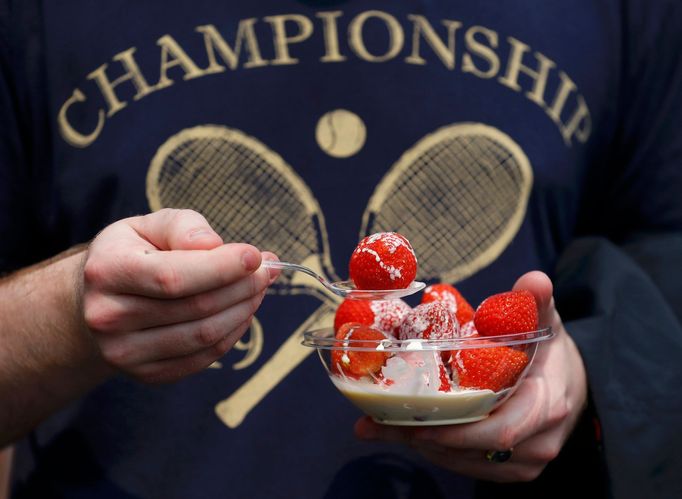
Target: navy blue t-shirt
490	134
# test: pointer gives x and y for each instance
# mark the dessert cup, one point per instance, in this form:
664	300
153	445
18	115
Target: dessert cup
408	390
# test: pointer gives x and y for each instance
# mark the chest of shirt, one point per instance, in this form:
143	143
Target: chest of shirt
345	97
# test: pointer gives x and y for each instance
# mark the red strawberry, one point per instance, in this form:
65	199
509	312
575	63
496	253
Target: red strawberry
449	295
507	313
468	329
429	320
356	364
445	385
384	315
494	368
384	260
358	311
346	330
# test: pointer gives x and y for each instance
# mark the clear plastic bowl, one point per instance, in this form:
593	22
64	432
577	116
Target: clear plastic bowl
408	389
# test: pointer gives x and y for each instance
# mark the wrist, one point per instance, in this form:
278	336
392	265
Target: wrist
81	350
48	357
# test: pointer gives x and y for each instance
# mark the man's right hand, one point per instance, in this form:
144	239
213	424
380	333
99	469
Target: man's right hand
164	297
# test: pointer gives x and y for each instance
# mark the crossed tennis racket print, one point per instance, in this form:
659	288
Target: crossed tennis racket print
459	195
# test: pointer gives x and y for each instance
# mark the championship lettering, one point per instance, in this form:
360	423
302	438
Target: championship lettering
471	50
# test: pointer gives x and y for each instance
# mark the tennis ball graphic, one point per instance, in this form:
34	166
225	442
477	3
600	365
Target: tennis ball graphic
340	133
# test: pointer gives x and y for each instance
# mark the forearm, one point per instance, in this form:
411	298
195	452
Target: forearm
47	356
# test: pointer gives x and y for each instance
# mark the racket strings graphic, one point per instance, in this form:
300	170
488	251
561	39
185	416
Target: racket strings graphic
434	189
246	192
459	195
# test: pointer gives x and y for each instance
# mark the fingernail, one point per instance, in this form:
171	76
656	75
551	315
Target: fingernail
272	273
199	233
250	261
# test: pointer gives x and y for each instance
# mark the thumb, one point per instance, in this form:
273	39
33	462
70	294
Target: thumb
541	287
171	229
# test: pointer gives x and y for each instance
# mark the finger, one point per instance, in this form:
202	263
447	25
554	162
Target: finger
541	287
170	274
522	415
269	256
537	451
541	448
178	340
107	313
166	371
170	229
482	469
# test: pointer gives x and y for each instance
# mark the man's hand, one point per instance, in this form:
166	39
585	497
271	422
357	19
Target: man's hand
535	421
157	297
164	297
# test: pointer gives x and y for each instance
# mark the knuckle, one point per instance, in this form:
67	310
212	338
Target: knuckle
179	216
207	333
100	318
93	273
168	281
163	212
202	305
506	437
221	348
186	212
559	412
115	354
98	322
548	451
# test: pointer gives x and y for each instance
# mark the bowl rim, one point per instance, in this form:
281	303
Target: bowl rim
324	339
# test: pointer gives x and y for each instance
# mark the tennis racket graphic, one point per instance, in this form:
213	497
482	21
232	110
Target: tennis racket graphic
459	195
248	193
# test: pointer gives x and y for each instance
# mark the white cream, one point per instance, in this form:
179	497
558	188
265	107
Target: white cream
388	407
412	345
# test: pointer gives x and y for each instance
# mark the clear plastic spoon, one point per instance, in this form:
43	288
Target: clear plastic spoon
347	289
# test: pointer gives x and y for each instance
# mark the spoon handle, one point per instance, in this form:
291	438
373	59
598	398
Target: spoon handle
292	266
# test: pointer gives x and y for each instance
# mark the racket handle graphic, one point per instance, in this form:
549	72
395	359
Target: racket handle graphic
235	408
